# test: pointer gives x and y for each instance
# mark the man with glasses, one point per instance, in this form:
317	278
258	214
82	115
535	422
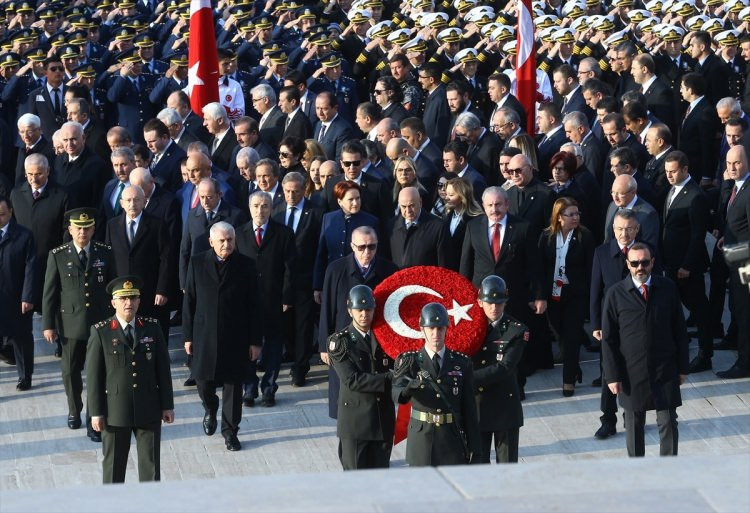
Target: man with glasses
363	266
498	88
437	114
625	197
416	236
506	124
272	119
47	101
484	145
588	68
387	95
645	350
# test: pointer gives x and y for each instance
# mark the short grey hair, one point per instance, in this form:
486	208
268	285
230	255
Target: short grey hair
221	226
499	191
123	151
29	119
36	159
730	103
169	116
469	121
295	177
198	146
573	148
215	110
510	115
73	124
364	231
137	189
264	91
260	194
248	154
576	118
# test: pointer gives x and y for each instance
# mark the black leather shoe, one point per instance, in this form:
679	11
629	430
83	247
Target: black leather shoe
23	385
95	436
209	423
233	444
248	400
726	344
735	372
190	382
568	392
605	431
597	382
699	364
268	400
298	381
74	421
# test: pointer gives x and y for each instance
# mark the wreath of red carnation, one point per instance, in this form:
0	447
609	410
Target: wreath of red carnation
400	299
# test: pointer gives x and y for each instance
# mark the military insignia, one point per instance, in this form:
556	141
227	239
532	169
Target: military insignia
149	355
139	322
113	324
331	345
455	390
228	97
499	357
385	362
70	264
526	336
457	367
99	263
100	279
114	342
127	285
497	341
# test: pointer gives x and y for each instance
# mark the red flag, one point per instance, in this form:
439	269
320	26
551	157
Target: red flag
203	61
526	63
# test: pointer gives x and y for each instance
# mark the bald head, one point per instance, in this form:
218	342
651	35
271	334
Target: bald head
142	178
624	189
198	167
410	204
521	170
737	166
398	147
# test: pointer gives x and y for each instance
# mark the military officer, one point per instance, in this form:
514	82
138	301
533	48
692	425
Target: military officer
73	299
366	412
129	384
439	383
498	399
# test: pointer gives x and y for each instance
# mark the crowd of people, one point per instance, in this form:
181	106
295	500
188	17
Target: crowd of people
354	139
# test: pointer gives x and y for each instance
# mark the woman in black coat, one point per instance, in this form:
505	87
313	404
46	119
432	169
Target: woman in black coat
460	208
567	250
291	150
566	184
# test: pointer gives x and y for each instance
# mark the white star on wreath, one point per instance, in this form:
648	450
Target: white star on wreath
459	312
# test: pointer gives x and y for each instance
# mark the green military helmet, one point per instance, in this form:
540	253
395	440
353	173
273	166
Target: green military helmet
493	290
360	298
434	315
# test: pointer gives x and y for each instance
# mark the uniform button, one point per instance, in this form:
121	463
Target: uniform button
134	374
437	395
484	348
85	284
88	305
484	361
439	410
439	381
421	386
135	385
377	399
87	294
133	364
481	389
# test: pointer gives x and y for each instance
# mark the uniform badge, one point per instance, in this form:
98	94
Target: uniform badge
113	324
149	355
385	362
455	390
457	367
70	264
331	345
114	342
499	357
98	263
100	278
526	336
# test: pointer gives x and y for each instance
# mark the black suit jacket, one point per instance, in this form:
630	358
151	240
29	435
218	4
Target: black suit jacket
686	222
433	154
655	175
164	205
194	124
151	257
298	126
222	157
532	204
577	263
699	139
306	238
594	154
546	147
40	103
375	197
19	275
484	155
338	132
44	147
736	226
273	128
96	140
716	72
167	172
455	240
84	178
577	103
660	101
396	112
608	267
512	103
427	243
437	116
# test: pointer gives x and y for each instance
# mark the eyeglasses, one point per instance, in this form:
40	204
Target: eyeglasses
255	100
284	154
629	229
638	263
351	163
615	193
56	68
442	185
365	247
572	214
378	91
404	170
517	171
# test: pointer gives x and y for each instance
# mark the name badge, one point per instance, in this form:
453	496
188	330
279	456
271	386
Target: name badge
39	98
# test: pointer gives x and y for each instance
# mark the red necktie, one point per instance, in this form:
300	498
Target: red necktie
496	242
258	235
625	252
195	201
733	196
644	291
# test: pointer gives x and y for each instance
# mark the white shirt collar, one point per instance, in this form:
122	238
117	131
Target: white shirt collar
431	353
648	83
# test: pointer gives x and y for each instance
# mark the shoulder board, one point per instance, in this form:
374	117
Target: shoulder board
148	319
100	324
101	244
460	355
60	248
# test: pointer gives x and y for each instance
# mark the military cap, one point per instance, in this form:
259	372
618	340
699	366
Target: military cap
293	5
564	35
574	9
622	3
125	286
360	16
647	25
226	53
728	38
128	55
510	47
381	29
400	36
270	48
478	12
46	13
435	19
80	22
125	4
683	8
23	36
464	5
71	12
638	15
144	41
81	217
547	20
305	13
124	34
240	12
320	39
713	25
744	14
263	22
672	33
85	71
137	23
179	58
580	24
331	60
654	6
603	23
184	4
493	290
616	38
423	4
449	35
184	13
77	37
360	298
503	33
417	44
433	315
546	34
711	3
373	3
172	5
104	4
466	55
593	3
69	52
735	5
24	7
246	25
279	57
9	59
35	55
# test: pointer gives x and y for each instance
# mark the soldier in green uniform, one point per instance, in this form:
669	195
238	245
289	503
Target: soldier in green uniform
439	383
366	412
497	395
129	384
75	298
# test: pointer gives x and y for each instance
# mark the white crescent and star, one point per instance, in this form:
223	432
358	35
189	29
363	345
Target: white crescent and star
393	304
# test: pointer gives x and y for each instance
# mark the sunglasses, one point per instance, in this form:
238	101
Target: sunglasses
363	247
378	91
638	263
441	185
350	163
56	68
517	171
284	154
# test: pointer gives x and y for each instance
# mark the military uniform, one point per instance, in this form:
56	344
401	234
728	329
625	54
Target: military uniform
130	384
366	414
497	395
443	408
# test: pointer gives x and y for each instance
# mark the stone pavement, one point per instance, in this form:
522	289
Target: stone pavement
38	451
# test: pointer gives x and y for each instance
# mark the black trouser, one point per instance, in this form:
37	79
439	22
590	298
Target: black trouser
566	319
23	350
270	357
668	434
73	359
719	274
231	403
506	446
116	447
298	323
607	402
740	306
361	454
693	295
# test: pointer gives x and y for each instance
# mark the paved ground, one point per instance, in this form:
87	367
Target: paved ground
38	451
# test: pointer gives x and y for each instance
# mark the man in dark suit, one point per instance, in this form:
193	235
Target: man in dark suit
645	350
659	144
305	220
199	168
498	88
18	273
271	247
608	268
456	163
659	98
220	326
167	155
272	119
123	162
30	131
363	266
616	134
701	129
331	130
416	236
298	80
142	246
437	114
565	82
713	69
119	346
267	180
296	124
484	146
160	203
495	367
193	123
625	196
79	110
623	161
414	132
223	139
130	93
686	220
578	131
553	136
47	101
366	423
81	172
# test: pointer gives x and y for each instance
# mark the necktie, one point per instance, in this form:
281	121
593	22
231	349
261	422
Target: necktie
687	113
409	225
364	270
84	258
129	335
195	201
496	242
209	217
732	196
135	84
286	123
155	160
56	99
322	132
671	197
258	235
3	234
35	195
436	362
544	140
644	291
625	252
214	145
290	219
116	207
131	232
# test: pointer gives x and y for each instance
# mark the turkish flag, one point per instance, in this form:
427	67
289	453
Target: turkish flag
203	60
526	63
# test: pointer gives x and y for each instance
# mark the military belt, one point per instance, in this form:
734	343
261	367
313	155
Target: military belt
432	418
